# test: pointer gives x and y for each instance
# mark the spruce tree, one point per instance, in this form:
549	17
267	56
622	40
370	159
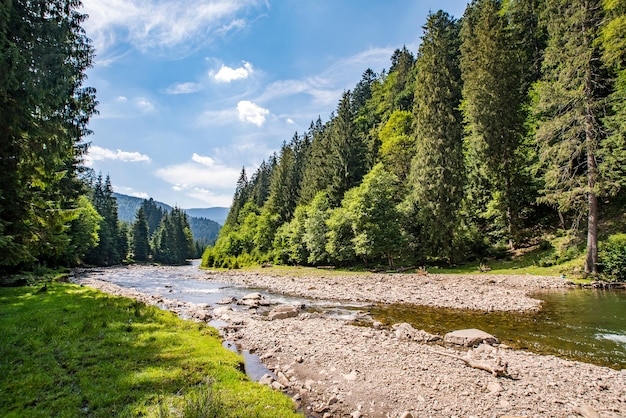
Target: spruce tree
493	109
571	101
141	243
437	170
44	111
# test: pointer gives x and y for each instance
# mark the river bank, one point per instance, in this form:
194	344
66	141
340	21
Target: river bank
335	369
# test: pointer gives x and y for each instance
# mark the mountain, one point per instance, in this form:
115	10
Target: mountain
216	214
127	206
205	223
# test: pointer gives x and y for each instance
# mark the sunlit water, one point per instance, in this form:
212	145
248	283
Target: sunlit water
580	324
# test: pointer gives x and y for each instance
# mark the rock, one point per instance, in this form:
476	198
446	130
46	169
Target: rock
587	411
253	296
223	310
407	414
404	331
226	301
469	337
356	414
283	312
266	379
494	387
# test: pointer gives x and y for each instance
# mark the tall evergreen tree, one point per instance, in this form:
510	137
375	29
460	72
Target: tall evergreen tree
107	252
44	111
493	107
141	242
347	162
437	170
571	100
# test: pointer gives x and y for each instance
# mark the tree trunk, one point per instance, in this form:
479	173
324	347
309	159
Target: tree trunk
591	260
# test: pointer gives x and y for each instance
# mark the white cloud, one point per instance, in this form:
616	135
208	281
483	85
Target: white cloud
183	88
144	105
97	153
252	113
121	99
290	121
217	117
131	192
228	74
204	160
162	24
202	178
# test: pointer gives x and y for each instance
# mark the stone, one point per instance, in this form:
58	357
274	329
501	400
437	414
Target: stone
407	414
404	331
253	296
494	387
283	312
226	301
266	379
469	337
223	310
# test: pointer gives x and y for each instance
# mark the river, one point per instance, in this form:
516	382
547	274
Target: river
580	324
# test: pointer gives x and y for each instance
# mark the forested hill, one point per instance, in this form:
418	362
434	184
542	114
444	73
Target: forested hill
505	129
203	229
127	206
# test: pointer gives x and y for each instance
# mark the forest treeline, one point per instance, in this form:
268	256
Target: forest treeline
505	123
53	210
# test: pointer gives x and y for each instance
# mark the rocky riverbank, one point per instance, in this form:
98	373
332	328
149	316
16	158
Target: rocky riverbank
335	369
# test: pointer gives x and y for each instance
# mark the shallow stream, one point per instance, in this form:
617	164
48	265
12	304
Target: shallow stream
580	324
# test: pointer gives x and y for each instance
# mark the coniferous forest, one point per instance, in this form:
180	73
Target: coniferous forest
505	127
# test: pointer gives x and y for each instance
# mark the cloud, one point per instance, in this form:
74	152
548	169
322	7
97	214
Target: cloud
227	74
130	192
163	24
202	178
183	88
97	153
144	105
252	113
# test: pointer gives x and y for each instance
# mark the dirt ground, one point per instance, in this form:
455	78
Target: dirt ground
334	369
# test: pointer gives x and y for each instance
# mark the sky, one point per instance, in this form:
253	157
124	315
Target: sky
191	91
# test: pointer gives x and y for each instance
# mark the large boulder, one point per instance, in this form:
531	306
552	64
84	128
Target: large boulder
283	312
469	337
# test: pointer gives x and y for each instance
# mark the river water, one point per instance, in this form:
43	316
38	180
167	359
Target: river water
580	324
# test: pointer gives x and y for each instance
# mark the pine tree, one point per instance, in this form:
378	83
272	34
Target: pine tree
571	100
44	111
437	170
347	161
493	108
107	252
141	243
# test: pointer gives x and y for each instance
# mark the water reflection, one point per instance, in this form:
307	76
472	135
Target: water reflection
580	324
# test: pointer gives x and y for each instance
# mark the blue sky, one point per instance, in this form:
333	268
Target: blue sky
191	91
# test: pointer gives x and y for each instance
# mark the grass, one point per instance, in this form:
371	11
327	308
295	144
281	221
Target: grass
70	351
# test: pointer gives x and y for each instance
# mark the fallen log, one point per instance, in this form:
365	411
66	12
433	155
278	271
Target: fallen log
498	370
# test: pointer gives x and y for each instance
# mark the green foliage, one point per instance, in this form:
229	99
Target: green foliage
141	241
372	207
613	257
172	243
492	64
397	144
469	139
437	172
44	111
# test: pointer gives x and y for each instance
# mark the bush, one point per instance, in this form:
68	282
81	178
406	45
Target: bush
613	257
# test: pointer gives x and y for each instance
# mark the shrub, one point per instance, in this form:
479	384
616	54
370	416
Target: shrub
613	257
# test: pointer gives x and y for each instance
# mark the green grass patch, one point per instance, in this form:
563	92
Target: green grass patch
70	351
